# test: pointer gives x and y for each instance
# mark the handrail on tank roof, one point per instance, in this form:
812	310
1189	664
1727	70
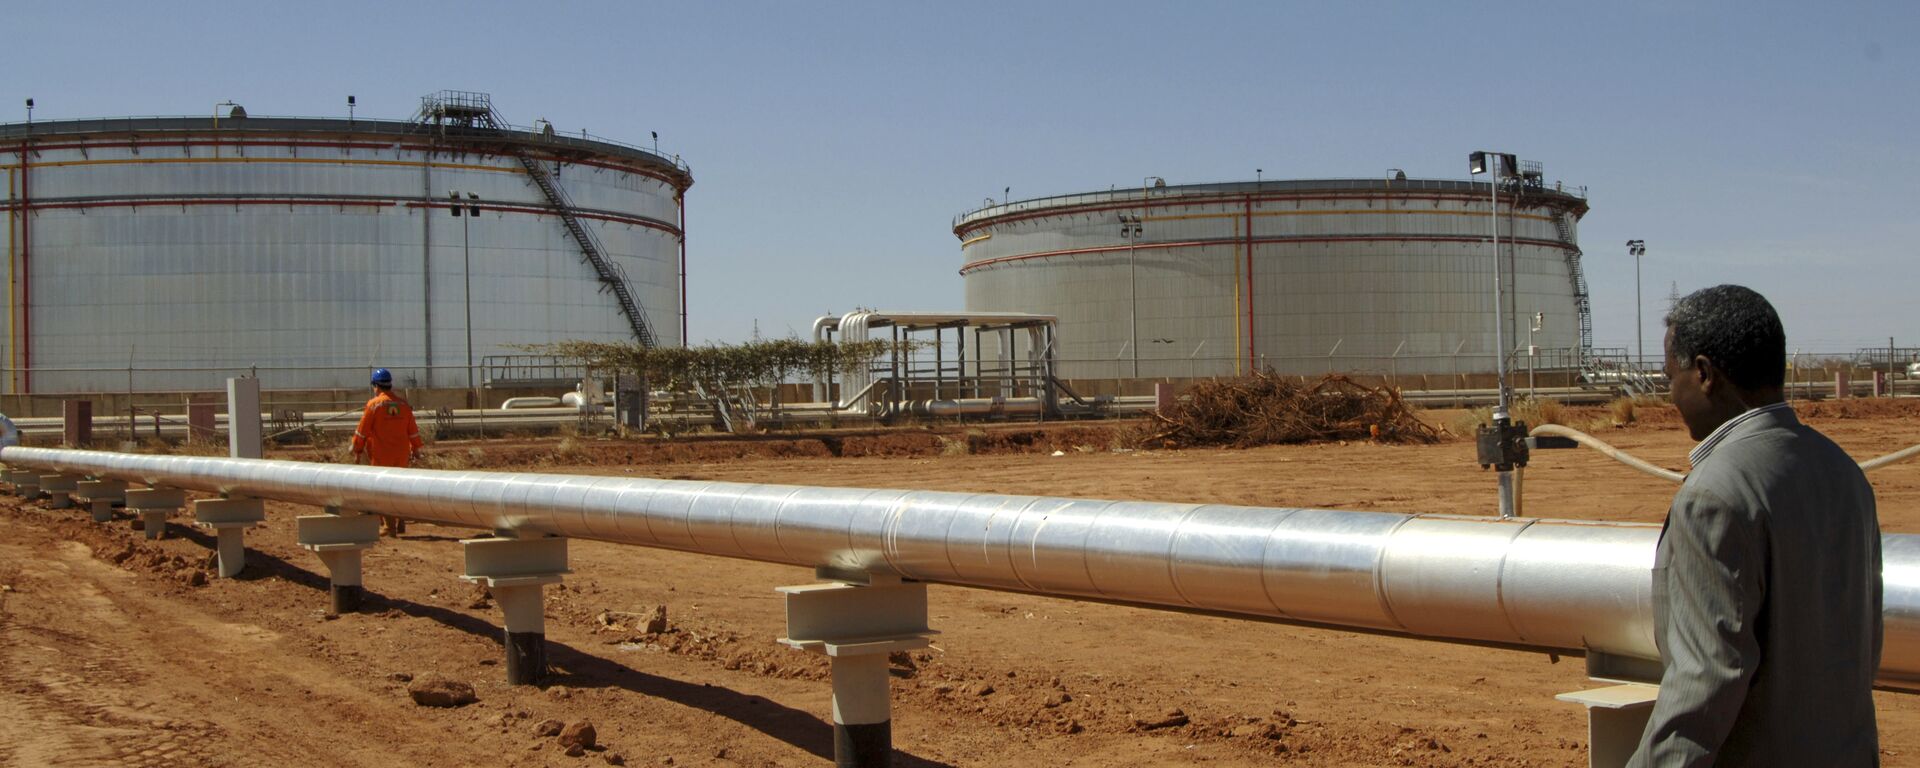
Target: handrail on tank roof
1121	194
131	123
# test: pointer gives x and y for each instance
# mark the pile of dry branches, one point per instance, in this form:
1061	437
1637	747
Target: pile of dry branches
1266	409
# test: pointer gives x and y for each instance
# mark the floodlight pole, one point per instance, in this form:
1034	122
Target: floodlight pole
1130	227
1503	445
1638	248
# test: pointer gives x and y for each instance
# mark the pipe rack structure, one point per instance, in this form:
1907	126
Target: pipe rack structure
1556	586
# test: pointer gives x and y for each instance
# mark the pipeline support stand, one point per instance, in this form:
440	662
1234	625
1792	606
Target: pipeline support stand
153	505
26	483
59	490
516	570
856	625
339	537
1616	713
1616	717
229	519
100	496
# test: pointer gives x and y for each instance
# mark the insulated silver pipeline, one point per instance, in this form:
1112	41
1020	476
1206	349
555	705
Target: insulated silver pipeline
1553	585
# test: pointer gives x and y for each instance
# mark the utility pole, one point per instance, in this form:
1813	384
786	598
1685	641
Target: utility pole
1131	228
1503	444
1637	248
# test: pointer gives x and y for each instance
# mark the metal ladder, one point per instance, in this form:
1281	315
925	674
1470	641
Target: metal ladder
612	277
1582	304
473	111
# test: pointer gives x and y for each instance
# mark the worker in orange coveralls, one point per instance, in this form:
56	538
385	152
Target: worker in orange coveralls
387	437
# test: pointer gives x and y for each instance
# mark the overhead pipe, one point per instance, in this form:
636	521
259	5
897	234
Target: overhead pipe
1548	585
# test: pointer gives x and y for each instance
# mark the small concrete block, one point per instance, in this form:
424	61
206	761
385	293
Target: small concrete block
217	513
329	530
156	498
58	483
514	559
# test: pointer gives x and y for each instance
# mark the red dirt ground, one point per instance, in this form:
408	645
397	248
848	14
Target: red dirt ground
117	651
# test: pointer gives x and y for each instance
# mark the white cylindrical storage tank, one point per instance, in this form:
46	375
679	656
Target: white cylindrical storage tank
1307	277
315	247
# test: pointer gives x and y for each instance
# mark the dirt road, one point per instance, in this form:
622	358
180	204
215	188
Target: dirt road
116	651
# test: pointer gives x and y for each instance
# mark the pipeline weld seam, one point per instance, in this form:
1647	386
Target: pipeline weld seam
779	519
1266	550
1500	580
1086	546
1380	589
1013	562
1173	545
958	511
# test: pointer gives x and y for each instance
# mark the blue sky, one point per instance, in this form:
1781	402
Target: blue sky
832	143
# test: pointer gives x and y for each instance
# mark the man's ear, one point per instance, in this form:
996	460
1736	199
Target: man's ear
1710	377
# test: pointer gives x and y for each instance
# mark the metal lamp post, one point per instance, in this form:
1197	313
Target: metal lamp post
1130	228
1638	248
466	258
1539	323
1503	445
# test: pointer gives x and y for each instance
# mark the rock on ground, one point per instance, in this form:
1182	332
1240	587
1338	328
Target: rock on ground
436	690
579	734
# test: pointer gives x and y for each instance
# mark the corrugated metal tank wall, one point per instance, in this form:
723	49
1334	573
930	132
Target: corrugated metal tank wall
226	251
1345	276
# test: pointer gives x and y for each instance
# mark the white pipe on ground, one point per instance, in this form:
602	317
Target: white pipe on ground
1550	585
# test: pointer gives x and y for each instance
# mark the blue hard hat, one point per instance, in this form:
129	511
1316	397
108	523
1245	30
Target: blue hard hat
383	377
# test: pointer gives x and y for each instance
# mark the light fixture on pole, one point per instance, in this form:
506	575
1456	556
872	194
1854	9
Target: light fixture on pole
351	102
1503	444
472	207
29	114
1637	248
1539	323
1131	229
656	142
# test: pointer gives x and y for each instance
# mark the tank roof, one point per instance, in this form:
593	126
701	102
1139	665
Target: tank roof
1573	198
251	124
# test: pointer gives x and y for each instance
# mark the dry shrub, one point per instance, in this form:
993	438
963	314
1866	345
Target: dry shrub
1266	409
570	450
1622	409
1470	421
1531	411
452	460
1535	412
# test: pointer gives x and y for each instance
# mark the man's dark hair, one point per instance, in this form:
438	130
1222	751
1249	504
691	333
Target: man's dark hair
1735	328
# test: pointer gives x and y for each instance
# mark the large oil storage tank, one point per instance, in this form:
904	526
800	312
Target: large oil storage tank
192	249
1386	276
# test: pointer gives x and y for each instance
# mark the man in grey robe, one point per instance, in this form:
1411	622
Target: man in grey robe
1766	585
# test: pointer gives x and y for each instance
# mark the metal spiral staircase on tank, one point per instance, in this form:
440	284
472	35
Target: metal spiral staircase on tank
465	109
1583	306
